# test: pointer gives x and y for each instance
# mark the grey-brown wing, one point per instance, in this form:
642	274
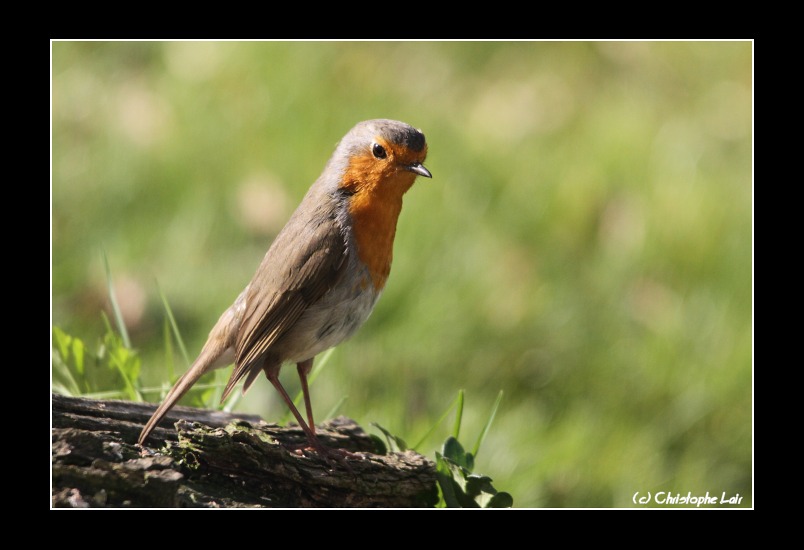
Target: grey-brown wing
293	276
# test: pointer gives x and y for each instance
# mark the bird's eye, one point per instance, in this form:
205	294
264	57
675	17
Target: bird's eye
378	151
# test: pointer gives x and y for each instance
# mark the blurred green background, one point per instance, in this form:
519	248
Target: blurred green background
585	243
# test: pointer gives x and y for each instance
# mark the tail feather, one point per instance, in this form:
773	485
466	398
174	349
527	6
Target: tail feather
217	352
233	380
238	374
204	364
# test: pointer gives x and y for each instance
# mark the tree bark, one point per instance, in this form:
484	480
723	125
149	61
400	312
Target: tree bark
217	459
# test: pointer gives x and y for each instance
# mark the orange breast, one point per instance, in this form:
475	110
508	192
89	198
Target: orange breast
374	207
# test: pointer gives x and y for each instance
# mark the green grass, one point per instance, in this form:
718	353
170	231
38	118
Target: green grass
585	244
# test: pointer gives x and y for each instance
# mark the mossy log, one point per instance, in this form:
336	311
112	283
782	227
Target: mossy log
217	459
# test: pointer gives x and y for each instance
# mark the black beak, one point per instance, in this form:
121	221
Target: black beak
418	168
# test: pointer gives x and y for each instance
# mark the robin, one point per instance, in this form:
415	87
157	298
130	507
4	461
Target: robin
324	272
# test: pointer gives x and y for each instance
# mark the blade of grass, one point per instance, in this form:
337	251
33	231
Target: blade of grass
165	387
393	443
118	316
168	343
62	389
232	401
133	392
69	383
337	406
173	325
61	355
483	433
437	423
456	430
221	377
318	368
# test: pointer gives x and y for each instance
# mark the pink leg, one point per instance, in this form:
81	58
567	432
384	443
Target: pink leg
273	377
308	427
304	369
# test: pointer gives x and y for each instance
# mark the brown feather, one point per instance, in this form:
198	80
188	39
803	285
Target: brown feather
211	357
311	270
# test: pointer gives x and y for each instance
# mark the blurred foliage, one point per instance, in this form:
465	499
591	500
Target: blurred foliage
79	370
585	243
459	486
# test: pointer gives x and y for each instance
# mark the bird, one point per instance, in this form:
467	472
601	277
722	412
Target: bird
322	275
